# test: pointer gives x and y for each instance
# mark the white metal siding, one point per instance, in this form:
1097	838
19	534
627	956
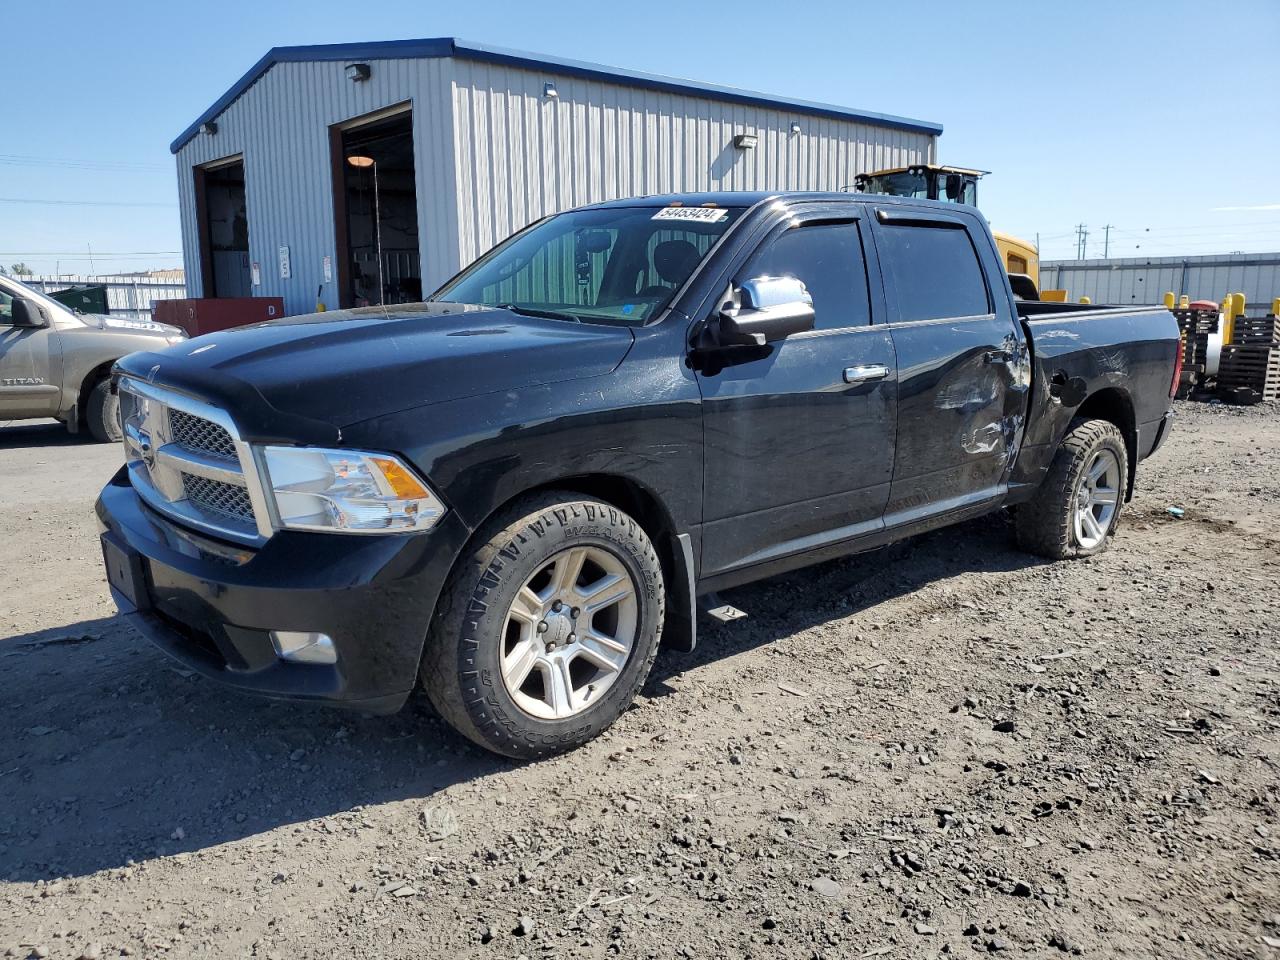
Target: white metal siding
520	156
1146	280
281	125
492	155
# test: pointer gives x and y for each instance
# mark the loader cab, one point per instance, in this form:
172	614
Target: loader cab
932	181
924	181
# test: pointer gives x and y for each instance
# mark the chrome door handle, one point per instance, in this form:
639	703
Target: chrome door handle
865	373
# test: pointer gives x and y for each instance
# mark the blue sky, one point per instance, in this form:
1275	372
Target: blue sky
1102	113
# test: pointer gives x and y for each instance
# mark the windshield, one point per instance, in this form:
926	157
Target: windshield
899	185
15	287
617	265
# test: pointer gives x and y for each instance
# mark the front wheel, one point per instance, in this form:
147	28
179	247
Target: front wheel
102	413
1077	507
546	631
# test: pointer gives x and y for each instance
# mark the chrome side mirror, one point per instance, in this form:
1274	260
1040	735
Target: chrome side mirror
771	308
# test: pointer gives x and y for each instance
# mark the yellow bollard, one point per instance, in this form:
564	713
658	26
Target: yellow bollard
1085	300
1169	300
1275	307
1232	307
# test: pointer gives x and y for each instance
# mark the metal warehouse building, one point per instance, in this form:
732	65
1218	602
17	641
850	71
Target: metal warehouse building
370	173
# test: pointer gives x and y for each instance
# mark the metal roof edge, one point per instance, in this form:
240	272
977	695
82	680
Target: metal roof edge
597	71
1171	260
449	46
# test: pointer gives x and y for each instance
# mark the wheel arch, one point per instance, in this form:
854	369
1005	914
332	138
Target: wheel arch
649	510
90	380
1115	406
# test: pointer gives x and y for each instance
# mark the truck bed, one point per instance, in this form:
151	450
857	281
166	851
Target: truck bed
1124	364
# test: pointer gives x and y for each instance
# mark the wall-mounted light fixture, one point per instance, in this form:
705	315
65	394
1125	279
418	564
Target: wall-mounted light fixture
209	127
549	91
795	127
357	72
745	141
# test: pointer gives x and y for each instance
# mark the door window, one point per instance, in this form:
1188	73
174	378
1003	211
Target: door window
935	272
828	258
6	308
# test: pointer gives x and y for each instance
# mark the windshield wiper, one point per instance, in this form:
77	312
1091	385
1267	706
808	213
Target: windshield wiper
535	312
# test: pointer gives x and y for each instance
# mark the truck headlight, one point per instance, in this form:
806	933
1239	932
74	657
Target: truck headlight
345	491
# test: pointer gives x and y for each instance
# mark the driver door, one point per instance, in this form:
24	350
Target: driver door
30	365
800	438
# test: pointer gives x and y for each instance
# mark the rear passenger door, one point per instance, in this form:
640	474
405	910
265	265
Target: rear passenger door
799	437
962	388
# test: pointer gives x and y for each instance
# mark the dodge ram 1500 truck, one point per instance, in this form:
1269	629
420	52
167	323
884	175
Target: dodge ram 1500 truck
512	492
55	362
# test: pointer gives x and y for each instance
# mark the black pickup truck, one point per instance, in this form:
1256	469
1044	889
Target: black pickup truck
513	492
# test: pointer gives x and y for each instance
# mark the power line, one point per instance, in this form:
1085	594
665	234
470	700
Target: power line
119	166
75	253
86	203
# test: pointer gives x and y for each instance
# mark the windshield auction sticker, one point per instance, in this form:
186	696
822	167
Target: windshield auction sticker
697	214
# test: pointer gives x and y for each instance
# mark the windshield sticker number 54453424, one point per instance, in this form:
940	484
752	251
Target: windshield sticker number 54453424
696	214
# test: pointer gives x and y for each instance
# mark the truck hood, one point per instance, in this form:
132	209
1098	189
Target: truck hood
98	321
299	374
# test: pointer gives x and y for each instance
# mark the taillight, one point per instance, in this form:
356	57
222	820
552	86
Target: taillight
1177	369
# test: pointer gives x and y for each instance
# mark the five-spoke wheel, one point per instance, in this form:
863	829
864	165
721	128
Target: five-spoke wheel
1096	498
569	633
547	627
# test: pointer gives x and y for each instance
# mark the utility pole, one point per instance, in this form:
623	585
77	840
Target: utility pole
1106	241
1082	241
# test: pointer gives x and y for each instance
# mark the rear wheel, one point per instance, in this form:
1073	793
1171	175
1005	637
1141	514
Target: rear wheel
102	413
1076	509
545	633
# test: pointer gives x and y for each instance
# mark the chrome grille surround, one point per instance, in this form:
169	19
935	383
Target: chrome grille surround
187	461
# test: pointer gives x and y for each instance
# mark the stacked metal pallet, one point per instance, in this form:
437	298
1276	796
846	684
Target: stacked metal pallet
1195	325
1249	370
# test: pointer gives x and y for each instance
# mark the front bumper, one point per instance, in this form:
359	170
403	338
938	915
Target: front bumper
212	605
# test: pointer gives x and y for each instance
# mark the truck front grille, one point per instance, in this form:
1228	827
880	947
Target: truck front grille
201	435
187	461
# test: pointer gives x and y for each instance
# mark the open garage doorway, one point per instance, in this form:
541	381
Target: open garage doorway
223	223
376	211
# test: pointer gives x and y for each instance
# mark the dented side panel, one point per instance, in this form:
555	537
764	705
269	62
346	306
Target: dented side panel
960	410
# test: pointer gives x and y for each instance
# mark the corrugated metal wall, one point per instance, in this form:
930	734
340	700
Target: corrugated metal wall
520	156
492	154
1145	280
281	126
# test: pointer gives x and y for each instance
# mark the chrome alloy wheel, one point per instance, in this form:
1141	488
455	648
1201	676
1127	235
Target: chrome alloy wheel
1097	499
569	633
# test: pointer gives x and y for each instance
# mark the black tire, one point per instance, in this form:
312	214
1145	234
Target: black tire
102	413
1045	525
461	667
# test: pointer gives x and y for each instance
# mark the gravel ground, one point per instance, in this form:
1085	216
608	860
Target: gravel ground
945	746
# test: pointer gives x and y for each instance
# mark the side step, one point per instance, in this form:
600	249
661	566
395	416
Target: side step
714	607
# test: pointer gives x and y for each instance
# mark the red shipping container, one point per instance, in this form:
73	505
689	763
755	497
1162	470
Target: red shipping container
199	316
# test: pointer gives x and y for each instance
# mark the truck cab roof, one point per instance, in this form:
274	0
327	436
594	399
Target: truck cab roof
749	198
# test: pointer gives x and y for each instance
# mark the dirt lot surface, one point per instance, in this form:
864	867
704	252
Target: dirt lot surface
944	747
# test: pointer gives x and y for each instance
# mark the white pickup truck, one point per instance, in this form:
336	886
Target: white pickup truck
55	362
